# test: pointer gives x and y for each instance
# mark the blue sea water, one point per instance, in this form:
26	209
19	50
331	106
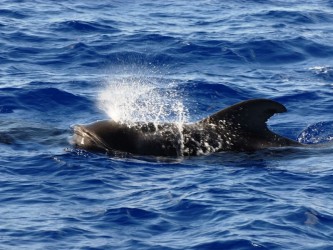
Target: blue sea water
70	62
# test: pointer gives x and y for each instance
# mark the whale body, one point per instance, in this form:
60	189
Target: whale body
240	127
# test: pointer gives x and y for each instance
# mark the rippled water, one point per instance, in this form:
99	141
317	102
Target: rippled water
71	62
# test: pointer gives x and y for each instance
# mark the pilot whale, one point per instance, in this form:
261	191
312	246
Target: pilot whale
240	127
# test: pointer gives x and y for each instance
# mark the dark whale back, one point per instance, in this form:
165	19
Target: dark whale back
250	115
135	138
243	126
240	127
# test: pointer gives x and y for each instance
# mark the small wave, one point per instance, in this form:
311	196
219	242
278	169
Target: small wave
297	17
325	72
269	51
133	59
207	97
13	14
152	38
301	96
218	90
230	244
276	51
197	49
6	109
25	137
84	27
187	209
20	52
311	48
129	216
78	53
308	216
47	98
8	100
43	99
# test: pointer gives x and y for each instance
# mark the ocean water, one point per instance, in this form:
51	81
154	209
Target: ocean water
70	62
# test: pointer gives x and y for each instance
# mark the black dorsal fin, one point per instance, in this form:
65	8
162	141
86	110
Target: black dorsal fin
251	115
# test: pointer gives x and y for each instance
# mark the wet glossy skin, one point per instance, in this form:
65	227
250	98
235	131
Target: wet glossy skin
241	127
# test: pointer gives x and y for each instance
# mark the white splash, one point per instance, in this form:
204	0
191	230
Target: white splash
138	99
322	69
